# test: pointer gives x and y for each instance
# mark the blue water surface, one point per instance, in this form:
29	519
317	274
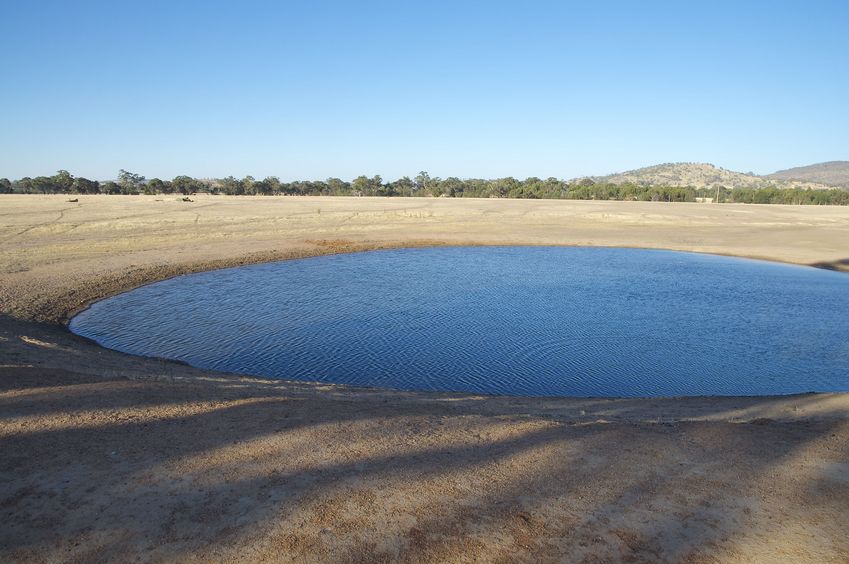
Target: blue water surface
541	321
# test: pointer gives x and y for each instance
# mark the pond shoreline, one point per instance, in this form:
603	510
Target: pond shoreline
145	320
112	288
157	459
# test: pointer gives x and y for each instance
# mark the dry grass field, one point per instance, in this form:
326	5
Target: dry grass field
53	252
105	456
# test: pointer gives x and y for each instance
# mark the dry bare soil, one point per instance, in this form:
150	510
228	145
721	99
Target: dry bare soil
105	456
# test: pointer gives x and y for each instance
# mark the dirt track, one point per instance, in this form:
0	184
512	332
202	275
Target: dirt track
106	456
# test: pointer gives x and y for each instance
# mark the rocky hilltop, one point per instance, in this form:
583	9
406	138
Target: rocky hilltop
833	173
702	175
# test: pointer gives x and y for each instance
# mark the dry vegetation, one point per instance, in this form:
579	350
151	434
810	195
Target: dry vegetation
108	457
833	173
56	256
704	175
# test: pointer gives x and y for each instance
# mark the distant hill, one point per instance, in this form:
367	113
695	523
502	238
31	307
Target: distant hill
833	173
700	175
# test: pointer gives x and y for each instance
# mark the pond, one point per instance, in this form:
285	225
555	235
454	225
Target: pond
531	321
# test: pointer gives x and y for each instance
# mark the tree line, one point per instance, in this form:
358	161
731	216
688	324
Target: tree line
421	185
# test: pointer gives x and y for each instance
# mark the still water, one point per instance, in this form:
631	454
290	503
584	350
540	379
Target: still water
542	321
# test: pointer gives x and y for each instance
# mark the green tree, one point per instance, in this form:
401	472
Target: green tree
376	184
186	185
365	186
269	185
337	187
24	185
248	184
422	182
85	186
434	186
130	183
232	186
111	188
44	185
62	181
154	186
403	186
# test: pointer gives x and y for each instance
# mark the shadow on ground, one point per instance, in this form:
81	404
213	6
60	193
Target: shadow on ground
841	265
98	467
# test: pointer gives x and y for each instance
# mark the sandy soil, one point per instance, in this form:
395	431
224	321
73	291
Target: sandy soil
106	456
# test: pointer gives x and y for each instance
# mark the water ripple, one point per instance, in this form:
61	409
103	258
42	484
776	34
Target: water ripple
516	320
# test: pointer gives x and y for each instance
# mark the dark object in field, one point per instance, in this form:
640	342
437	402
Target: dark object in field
187	199
74	200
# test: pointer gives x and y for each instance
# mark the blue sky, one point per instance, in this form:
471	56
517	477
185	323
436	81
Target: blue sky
472	89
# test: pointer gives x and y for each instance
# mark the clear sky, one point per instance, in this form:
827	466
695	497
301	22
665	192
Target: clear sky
315	89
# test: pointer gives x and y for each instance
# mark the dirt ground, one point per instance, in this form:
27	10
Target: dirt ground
105	456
